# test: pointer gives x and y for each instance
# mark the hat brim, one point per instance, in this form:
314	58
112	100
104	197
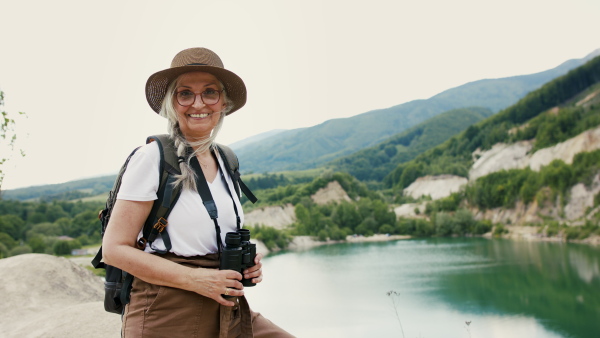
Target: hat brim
156	86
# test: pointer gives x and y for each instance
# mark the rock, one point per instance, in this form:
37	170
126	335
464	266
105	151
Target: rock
500	157
435	186
48	296
333	192
566	151
516	156
278	217
408	210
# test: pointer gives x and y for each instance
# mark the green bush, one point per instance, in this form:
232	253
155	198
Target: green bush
20	250
482	227
271	237
64	247
3	251
499	230
322	235
386	229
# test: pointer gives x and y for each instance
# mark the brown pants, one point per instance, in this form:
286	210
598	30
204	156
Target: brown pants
160	311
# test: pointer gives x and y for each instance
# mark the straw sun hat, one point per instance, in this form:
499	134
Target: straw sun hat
195	60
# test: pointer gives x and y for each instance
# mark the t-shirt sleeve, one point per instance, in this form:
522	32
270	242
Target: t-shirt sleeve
140	180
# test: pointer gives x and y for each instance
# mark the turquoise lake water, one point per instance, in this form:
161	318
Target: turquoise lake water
503	288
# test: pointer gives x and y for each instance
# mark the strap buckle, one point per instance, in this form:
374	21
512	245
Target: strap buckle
161	224
141	243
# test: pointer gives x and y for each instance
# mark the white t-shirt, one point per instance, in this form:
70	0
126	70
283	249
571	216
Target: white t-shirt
191	230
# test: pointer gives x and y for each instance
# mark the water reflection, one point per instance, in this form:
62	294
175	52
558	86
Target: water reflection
506	288
555	283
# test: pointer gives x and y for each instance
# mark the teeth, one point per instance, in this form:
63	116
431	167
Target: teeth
199	115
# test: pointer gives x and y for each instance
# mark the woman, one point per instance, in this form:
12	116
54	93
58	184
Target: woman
179	294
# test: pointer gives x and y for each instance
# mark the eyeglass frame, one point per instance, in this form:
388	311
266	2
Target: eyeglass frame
196	96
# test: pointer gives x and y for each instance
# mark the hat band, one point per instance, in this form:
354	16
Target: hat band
197	64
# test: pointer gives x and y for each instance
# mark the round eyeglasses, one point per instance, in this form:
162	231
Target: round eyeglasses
187	98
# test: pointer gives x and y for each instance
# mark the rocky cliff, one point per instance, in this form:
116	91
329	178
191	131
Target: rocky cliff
518	156
280	217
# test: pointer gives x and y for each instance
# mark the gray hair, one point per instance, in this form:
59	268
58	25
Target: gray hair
167	110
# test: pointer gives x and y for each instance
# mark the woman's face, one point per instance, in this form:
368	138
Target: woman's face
198	120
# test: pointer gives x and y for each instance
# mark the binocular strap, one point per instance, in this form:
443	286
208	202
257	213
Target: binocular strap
207	199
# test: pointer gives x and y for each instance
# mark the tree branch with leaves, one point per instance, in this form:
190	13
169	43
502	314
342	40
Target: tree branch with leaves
8	137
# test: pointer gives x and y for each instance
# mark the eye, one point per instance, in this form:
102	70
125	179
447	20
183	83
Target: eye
185	94
211	91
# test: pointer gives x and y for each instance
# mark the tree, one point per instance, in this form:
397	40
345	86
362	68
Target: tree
6	134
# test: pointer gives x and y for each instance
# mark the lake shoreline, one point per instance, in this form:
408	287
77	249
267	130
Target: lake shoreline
515	232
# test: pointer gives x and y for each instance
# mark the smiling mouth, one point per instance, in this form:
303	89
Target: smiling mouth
199	115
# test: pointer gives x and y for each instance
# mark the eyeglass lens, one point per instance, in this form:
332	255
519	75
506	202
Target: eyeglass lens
187	97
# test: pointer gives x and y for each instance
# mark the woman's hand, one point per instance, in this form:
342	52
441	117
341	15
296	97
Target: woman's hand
214	283
255	272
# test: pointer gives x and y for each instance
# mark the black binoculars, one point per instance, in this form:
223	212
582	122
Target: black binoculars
238	253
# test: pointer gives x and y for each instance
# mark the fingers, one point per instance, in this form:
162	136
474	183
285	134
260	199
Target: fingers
229	292
231	274
254	273
258	258
215	283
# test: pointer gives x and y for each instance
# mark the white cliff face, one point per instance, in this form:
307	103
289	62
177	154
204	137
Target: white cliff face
581	199
281	217
500	157
566	151
516	156
276	216
435	186
333	192
408	210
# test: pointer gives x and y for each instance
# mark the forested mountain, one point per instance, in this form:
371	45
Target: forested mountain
375	163
310	147
557	112
525	120
63	191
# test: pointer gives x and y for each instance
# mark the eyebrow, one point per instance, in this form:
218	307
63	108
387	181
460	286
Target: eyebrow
207	85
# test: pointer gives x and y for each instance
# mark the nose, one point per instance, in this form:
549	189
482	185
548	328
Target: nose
198	101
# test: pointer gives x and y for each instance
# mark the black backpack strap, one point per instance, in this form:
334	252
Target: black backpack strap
233	167
105	213
167	194
97	261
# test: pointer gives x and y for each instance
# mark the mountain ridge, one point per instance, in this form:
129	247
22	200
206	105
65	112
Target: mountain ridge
309	147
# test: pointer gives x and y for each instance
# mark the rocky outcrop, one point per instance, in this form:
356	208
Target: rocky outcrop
500	157
48	296
435	186
566	151
408	210
333	192
277	216
516	156
581	200
281	217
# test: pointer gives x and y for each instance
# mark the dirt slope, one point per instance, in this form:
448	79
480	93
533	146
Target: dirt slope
48	296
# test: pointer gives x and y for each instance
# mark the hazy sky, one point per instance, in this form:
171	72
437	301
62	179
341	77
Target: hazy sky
78	68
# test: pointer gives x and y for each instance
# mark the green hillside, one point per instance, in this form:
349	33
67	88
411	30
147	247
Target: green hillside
374	163
311	147
454	156
72	190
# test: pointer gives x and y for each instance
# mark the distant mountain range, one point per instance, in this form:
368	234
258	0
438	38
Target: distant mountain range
307	148
397	133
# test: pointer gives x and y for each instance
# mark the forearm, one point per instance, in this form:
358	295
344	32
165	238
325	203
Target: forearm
148	267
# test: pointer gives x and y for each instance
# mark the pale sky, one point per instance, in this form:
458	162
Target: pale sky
78	68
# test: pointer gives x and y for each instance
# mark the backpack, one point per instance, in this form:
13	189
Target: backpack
117	285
